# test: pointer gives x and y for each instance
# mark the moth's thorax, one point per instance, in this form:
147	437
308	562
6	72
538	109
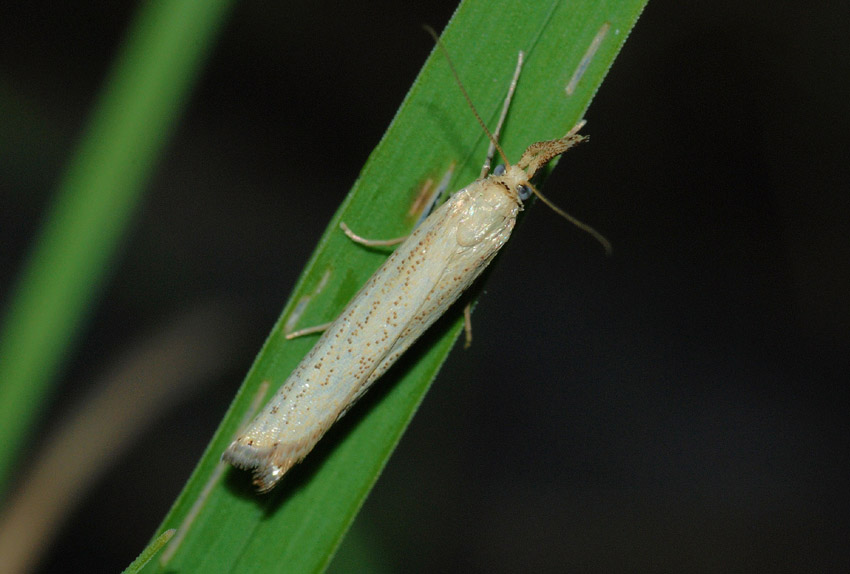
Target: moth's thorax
490	207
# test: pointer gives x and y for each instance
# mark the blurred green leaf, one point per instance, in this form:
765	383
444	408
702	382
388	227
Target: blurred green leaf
95	202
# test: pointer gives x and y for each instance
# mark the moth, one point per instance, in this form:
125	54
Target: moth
406	295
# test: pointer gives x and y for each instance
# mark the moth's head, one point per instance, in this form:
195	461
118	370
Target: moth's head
515	180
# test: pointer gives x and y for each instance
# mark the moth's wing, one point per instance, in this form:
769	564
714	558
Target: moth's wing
459	268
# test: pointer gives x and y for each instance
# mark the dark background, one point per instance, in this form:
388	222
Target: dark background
680	406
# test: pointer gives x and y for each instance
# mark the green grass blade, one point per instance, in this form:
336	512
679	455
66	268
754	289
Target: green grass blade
222	525
95	201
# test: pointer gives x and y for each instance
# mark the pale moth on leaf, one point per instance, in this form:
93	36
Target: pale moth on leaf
411	290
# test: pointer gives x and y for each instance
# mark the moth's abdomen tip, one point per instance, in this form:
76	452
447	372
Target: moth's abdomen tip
266	477
268	464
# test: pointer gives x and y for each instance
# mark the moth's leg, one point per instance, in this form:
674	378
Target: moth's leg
426	202
289	330
308	331
491	151
370	242
467	325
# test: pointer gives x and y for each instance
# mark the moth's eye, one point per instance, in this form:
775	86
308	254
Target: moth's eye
499	170
524	192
